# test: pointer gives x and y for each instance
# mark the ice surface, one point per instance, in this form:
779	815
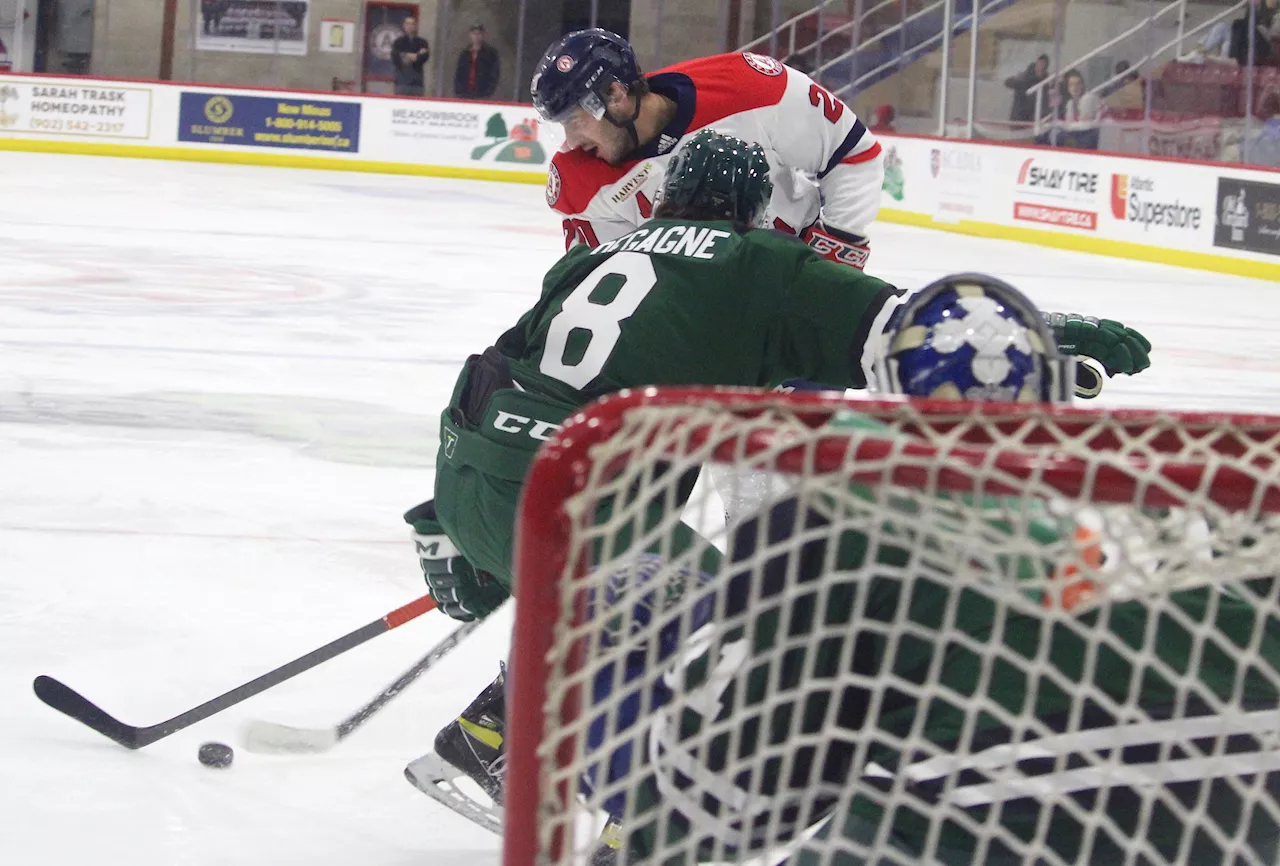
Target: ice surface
218	391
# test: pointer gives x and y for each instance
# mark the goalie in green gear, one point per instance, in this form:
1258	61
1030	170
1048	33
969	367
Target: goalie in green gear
855	687
650	308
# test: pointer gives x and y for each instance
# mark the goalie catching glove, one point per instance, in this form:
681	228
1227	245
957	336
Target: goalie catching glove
842	247
1117	348
460	590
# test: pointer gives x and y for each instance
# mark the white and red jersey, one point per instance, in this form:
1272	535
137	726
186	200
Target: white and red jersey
822	159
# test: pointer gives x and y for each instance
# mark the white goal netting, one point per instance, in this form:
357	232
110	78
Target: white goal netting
950	633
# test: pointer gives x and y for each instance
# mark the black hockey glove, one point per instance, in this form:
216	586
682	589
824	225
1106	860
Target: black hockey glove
1117	348
460	590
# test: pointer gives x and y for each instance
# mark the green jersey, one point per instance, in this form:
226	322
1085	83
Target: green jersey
679	303
672	303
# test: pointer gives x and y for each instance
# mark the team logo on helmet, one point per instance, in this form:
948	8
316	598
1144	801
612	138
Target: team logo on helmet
553	186
763	65
564	62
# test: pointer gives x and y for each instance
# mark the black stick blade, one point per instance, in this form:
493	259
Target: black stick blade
70	702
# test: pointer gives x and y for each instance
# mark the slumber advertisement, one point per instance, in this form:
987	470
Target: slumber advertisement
98	110
1248	216
1056	193
258	121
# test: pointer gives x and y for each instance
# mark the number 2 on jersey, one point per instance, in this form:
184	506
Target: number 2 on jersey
602	322
823	99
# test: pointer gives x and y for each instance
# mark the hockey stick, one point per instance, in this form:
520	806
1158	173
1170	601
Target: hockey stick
260	736
72	703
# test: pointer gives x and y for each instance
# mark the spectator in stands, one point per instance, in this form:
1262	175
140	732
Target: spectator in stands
296	11
1214	46
410	53
477	74
1263	17
1024	103
1119	78
1127	92
882	119
1078	115
211	11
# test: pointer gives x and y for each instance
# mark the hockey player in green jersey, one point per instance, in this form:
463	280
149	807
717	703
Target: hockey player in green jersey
870	671
699	295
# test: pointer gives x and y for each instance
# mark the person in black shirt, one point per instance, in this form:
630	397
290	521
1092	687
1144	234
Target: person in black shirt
410	53
1023	110
1262	50
477	74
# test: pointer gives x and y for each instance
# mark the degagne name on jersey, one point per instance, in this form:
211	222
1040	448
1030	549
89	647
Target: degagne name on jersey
681	240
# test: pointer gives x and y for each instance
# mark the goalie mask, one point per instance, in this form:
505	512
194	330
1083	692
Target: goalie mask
973	337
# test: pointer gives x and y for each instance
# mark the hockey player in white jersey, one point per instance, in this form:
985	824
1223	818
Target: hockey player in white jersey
621	127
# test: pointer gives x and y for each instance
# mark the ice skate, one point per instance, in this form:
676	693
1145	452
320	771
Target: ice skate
470	747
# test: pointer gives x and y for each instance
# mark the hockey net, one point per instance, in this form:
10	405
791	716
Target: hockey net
924	633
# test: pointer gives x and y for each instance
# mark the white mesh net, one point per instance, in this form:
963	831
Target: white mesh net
949	634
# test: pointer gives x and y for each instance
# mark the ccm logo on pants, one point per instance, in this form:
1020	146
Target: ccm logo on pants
511	423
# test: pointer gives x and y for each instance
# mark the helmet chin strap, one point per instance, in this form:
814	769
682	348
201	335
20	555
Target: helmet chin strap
629	124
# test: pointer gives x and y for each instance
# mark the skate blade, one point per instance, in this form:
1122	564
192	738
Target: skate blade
436	778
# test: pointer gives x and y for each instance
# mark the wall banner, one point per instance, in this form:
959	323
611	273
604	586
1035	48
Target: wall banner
257	121
99	110
253	26
1248	216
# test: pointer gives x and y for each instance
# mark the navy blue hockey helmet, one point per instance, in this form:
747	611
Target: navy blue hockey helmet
973	337
577	71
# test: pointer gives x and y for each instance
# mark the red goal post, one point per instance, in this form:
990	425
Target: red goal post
1156	462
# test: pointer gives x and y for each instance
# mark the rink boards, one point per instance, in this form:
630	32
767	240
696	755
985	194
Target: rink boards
1201	215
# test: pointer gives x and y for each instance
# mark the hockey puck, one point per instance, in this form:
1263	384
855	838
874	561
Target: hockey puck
216	755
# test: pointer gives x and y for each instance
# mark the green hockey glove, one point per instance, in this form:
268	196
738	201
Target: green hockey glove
1117	348
460	590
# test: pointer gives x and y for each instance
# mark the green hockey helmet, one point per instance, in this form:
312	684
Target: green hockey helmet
723	176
